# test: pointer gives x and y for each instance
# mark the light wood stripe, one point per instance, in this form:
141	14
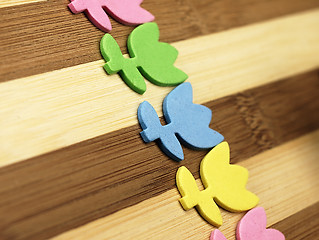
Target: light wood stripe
283	177
7	3
59	108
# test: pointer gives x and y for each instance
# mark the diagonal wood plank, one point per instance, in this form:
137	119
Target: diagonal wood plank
52	37
100	176
59	108
218	15
302	225
282	177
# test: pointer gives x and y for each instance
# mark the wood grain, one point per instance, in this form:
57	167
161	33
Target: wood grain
224	14
283	177
302	225
54	110
45	36
75	185
7	3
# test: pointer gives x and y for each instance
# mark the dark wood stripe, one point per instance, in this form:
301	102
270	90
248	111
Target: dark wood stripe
223	14
302	225
45	36
52	193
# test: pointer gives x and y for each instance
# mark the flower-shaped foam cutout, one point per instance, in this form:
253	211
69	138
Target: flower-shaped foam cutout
128	12
225	185
150	58
186	122
252	227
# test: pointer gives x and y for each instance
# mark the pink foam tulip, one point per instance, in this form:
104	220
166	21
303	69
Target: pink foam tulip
252	227
128	12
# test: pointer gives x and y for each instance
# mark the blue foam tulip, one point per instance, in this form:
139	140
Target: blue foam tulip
187	123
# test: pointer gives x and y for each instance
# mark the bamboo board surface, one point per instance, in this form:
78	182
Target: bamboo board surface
298	158
72	163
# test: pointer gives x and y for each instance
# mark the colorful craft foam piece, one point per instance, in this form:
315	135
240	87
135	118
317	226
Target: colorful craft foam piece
224	185
217	235
186	122
149	58
128	12
252	227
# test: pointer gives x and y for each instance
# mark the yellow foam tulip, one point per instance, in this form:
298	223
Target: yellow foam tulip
225	185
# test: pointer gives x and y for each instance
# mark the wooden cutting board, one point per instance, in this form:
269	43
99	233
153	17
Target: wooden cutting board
72	163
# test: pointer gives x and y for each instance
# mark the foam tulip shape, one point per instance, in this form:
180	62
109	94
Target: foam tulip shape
149	58
252	227
128	12
225	185
188	121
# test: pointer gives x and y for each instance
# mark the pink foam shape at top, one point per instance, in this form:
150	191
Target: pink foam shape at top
128	12
253	226
217	235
